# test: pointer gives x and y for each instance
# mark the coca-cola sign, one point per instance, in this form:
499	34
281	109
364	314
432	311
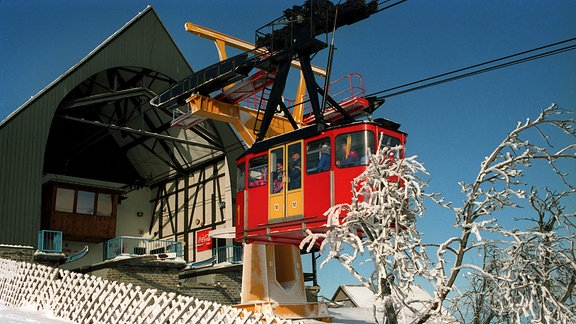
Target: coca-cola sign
203	241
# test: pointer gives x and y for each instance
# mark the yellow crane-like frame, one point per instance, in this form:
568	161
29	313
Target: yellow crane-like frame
241	118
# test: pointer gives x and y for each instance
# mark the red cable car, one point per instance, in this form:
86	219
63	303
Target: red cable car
286	183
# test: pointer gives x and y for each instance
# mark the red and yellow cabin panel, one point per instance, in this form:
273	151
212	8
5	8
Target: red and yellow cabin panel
286	183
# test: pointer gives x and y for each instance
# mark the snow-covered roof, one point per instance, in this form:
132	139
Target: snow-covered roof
362	299
359	295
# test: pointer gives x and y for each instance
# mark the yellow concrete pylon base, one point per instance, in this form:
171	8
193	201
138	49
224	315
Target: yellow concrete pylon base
273	283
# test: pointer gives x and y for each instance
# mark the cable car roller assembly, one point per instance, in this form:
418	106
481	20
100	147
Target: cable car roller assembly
290	37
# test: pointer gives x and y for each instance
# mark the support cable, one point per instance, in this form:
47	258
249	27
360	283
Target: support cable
417	85
388	6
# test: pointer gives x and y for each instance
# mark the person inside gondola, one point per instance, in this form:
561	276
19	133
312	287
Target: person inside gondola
295	173
278	184
324	162
348	156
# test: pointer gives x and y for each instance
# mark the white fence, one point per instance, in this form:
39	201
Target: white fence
89	299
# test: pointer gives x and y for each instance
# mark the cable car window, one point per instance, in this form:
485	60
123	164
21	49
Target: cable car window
294	166
354	148
318	156
277	170
240	180
258	171
389	141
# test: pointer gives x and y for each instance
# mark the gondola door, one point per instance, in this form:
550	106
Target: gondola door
278	184
286	182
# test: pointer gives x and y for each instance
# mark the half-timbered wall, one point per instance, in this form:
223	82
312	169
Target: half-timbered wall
187	207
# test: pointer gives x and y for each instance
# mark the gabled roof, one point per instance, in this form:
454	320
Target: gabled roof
360	296
148	11
94	124
101	125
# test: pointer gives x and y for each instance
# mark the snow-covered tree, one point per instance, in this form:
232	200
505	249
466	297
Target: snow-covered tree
525	268
380	221
528	268
532	273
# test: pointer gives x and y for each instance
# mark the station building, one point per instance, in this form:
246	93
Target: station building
88	156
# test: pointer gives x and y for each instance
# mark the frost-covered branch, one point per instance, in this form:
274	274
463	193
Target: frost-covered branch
524	274
380	222
527	274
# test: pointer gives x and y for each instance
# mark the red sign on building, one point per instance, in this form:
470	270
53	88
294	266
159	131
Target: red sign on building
203	241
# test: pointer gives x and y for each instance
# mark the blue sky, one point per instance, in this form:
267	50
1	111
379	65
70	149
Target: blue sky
451	127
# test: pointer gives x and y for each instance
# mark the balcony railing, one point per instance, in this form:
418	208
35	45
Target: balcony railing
50	241
136	246
346	88
230	254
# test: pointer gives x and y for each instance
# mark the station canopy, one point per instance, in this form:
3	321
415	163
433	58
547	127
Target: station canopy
105	129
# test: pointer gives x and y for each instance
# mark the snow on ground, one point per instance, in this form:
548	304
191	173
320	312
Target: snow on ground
28	315
349	315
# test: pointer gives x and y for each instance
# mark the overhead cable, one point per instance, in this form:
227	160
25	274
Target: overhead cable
444	77
389	6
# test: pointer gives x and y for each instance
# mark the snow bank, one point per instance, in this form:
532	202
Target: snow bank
28	315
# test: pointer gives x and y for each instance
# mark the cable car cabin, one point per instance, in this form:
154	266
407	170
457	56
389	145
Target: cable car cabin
286	183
